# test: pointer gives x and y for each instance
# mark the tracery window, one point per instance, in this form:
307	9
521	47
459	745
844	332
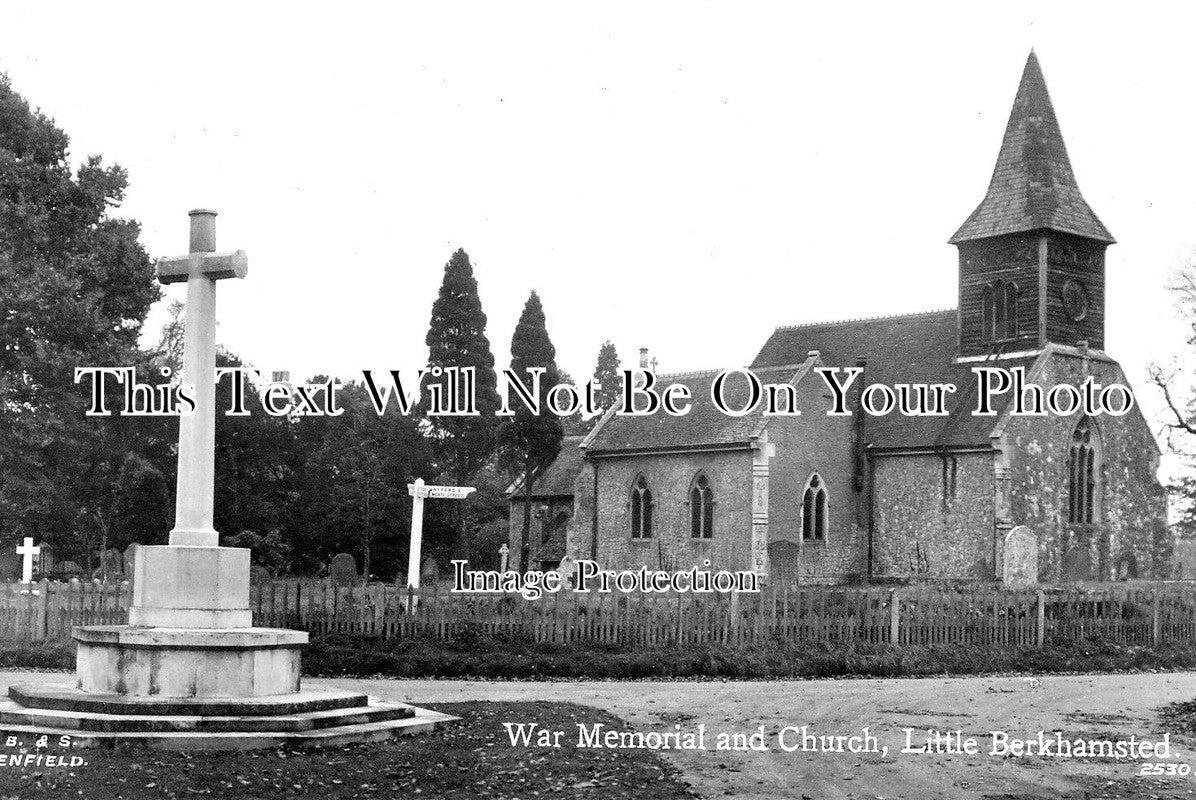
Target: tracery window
701	509
641	509
813	510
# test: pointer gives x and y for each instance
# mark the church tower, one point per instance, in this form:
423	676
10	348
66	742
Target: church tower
1032	254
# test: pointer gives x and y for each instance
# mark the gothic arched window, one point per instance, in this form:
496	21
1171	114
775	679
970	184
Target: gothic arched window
701	509
813	510
999	311
641	509
1083	474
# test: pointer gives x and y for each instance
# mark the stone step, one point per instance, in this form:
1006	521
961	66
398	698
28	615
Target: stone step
65	697
376	711
420	721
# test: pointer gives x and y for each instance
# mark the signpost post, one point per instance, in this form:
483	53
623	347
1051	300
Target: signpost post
418	491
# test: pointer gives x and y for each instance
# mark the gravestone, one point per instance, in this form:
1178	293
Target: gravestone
44	560
10	566
65	570
1021	557
130	557
259	575
566	569
343	570
112	565
1077	563
430	571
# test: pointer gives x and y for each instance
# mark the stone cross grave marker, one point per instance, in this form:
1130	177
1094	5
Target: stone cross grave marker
418	491
27	551
504	553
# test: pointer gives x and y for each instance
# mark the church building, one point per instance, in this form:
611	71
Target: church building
842	499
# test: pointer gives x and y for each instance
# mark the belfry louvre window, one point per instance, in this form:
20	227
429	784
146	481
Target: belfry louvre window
1083	474
999	309
701	509
813	510
641	509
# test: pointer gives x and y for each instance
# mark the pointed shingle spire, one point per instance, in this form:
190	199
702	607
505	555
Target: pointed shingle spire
1032	186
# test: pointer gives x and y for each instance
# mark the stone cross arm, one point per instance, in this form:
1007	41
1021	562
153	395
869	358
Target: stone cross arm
175	269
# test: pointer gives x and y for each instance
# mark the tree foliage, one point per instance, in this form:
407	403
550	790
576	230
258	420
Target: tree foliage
531	442
606	376
75	286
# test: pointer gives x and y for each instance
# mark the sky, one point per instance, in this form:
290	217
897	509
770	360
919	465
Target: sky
682	177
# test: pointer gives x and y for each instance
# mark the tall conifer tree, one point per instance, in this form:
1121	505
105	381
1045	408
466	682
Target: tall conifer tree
457	338
530	441
606	375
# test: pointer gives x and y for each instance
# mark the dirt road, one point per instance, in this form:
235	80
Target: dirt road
1110	706
1085	706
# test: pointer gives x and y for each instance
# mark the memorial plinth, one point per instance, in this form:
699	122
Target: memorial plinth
190	670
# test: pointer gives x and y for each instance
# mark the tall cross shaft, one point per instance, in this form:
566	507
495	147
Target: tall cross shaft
201	268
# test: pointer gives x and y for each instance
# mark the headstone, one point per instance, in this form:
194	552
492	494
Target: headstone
343	570
130	559
259	575
44	560
1021	557
66	570
1077	563
112	564
504	554
28	552
430	571
1127	567
566	569
10	566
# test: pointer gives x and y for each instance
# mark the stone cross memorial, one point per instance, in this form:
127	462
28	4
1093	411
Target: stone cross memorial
190	652
27	551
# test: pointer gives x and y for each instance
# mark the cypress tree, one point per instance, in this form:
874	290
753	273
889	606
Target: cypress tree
530	441
606	375
457	338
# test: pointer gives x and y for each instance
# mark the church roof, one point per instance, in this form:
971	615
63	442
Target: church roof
557	480
1032	186
703	428
912	348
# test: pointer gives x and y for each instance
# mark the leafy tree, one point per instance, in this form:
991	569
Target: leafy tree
141	506
75	286
606	375
530	441
457	338
356	487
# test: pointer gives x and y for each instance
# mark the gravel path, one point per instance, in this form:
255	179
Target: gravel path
1089	706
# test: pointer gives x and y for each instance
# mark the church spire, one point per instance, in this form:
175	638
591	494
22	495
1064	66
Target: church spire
1032	186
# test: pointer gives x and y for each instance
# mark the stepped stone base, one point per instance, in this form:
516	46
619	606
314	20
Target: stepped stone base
312	717
187	662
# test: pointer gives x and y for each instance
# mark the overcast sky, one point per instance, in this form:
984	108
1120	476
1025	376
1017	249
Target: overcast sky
683	177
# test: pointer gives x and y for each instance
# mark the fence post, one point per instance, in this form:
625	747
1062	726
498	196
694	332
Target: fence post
1040	623
894	617
1156	626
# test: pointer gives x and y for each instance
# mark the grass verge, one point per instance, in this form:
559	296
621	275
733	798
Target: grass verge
466	759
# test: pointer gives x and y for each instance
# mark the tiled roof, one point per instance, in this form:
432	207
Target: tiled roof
914	348
557	480
1032	186
703	427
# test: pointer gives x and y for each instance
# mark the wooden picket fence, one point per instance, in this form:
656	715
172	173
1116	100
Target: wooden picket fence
1132	613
